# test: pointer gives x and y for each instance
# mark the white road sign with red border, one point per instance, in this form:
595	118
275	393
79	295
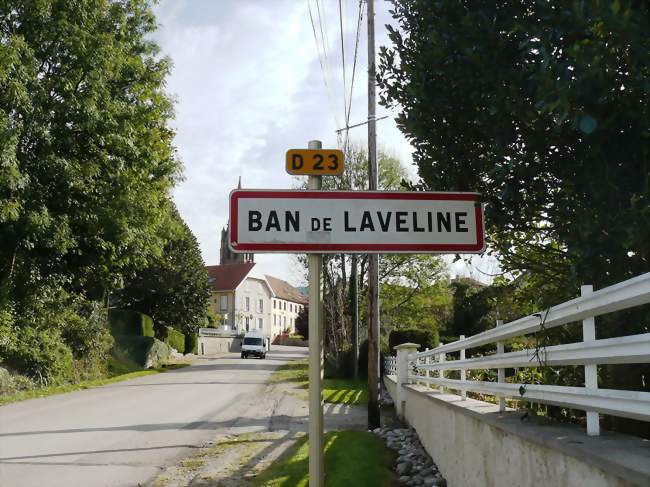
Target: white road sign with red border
304	221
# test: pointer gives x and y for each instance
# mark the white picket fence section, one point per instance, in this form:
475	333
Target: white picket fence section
430	366
390	365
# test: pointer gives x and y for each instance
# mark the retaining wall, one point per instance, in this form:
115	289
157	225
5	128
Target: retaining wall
476	446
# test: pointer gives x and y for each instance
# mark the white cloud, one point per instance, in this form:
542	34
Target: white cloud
249	86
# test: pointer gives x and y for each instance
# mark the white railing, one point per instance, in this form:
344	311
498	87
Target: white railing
390	365
430	366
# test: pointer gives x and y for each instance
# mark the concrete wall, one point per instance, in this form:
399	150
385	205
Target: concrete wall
210	345
475	445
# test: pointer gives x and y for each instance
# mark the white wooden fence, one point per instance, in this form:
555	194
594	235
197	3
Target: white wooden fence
430	366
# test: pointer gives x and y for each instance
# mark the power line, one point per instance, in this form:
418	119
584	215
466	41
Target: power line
323	63
354	66
343	61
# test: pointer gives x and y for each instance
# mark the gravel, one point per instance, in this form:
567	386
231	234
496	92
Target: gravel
413	466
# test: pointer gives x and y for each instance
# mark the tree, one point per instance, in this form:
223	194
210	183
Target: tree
86	167
302	322
543	108
174	288
85	145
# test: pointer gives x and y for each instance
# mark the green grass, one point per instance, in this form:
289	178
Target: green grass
338	391
352	458
62	389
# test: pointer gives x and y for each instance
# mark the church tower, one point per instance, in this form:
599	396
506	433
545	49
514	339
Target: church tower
227	256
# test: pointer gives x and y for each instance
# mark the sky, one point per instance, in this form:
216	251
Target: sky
250	82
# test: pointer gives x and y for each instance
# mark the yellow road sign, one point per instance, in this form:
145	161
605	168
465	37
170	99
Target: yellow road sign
314	162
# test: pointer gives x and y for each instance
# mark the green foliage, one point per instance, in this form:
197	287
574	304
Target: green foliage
191	343
413	291
173	289
127	322
175	339
87	155
543	107
302	323
41	355
130	349
86	167
425	337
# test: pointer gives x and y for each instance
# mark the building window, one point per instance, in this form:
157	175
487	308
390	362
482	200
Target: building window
285	305
224	303
285	320
275	320
261	305
247	305
248	323
260	323
274	303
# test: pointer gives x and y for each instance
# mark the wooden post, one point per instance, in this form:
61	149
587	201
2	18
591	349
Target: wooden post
463	393
501	373
591	370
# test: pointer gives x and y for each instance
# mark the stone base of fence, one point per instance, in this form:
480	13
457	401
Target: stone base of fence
476	445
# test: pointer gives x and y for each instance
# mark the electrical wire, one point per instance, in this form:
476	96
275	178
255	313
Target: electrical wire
322	59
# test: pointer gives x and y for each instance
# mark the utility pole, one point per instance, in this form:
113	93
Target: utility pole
316	468
373	259
354	314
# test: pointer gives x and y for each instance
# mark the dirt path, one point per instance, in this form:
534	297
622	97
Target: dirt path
267	426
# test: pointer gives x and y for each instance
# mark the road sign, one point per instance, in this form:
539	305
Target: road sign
301	221
314	162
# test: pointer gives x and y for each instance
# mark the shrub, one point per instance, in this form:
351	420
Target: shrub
425	337
127	322
40	354
191	343
175	339
131	349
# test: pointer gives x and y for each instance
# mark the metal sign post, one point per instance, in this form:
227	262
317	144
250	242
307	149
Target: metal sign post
316	467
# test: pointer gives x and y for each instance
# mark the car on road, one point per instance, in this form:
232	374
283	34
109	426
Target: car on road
253	344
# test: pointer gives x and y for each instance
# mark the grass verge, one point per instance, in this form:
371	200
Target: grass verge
355	458
50	391
337	391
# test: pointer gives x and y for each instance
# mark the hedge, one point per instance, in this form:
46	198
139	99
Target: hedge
425	337
125	322
191	343
175	339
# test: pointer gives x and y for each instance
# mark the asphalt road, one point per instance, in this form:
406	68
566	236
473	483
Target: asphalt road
126	433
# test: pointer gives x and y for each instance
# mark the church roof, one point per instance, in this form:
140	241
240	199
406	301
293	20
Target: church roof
284	290
227	277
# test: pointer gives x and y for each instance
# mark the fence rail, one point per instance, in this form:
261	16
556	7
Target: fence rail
589	353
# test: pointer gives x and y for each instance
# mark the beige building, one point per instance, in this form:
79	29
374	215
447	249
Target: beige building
247	301
287	304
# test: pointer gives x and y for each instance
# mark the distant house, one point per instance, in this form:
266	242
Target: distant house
288	301
247	301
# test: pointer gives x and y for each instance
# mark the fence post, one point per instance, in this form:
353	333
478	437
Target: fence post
442	357
425	361
501	373
404	352
591	370
463	393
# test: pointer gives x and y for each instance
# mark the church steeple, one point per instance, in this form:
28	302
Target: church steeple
227	256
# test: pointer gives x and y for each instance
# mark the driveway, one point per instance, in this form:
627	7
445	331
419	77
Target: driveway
126	433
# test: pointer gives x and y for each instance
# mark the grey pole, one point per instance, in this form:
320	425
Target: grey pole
373	260
316	469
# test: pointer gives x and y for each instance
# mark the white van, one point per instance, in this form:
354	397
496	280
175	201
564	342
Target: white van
253	344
